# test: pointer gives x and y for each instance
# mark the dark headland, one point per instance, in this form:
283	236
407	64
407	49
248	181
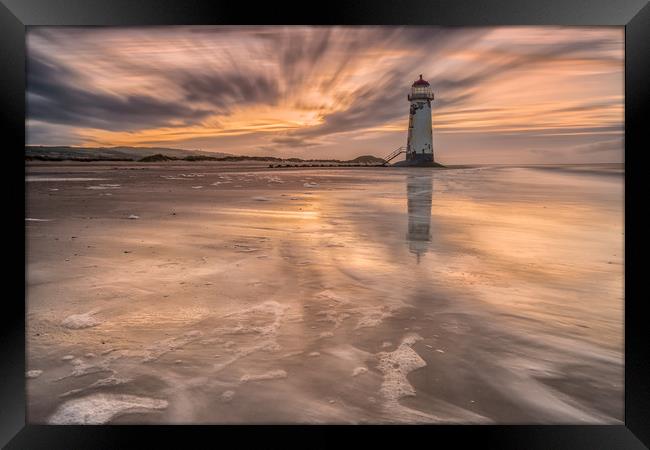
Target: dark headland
161	154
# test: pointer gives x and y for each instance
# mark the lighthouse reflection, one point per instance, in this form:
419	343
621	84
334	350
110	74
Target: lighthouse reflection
419	191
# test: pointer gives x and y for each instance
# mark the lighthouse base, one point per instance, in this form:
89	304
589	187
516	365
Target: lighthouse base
418	160
419	157
417	164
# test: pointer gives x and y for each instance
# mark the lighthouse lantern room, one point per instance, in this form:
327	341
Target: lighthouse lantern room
419	146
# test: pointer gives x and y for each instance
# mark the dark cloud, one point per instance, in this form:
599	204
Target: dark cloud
52	134
528	133
567	131
226	90
592	106
55	95
373	104
612	145
292	141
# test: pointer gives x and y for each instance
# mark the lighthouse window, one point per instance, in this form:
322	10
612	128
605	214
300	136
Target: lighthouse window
421	91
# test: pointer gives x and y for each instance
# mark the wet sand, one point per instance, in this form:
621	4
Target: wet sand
230	293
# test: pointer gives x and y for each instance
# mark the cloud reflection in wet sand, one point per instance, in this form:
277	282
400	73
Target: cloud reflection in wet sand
469	295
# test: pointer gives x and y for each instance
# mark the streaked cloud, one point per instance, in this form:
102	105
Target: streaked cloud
502	94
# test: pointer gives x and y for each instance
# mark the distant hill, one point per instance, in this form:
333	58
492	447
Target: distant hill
109	153
366	159
161	154
157	158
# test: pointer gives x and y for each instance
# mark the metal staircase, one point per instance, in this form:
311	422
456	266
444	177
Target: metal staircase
394	154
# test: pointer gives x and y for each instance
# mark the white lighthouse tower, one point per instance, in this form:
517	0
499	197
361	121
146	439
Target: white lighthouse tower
419	146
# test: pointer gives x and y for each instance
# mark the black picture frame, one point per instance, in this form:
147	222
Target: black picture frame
15	15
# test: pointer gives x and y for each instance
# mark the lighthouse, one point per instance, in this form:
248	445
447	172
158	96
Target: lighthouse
419	144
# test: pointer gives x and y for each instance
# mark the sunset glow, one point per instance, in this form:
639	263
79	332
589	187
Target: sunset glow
502	95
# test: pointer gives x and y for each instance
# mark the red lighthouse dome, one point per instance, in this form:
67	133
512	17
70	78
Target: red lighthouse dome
421	82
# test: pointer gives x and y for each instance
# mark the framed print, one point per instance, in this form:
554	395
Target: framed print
375	220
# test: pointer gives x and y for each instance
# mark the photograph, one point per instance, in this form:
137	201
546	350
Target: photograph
319	224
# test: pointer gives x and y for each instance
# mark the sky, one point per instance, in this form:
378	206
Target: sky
538	95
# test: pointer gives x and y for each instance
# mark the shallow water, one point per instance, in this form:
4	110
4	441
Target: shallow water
371	295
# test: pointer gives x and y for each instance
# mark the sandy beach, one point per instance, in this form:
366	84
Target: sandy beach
216	293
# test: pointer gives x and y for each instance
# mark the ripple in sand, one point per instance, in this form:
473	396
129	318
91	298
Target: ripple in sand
272	179
168	345
109	381
373	316
359	371
40	178
98	409
227	396
79	321
270	375
104	186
